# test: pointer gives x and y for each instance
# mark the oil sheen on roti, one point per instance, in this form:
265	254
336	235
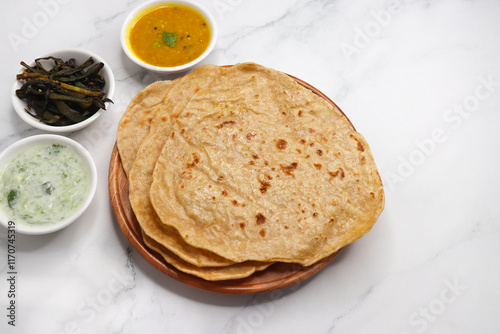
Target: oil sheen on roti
241	165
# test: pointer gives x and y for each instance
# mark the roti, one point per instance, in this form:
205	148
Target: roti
231	169
135	123
235	271
139	117
141	171
259	168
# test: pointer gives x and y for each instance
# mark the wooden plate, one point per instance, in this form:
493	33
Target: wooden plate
277	276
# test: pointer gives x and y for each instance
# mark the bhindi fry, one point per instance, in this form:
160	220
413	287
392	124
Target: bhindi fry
65	94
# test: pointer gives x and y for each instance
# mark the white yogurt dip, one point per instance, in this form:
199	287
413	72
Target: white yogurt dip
43	184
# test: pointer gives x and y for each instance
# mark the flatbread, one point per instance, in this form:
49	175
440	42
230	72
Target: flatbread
141	172
235	271
135	122
258	168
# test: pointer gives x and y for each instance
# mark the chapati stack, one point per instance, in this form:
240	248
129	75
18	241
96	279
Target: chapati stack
231	169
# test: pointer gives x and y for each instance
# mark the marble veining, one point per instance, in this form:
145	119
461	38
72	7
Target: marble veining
419	79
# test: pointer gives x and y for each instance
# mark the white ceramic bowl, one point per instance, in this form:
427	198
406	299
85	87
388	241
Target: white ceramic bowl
173	69
80	56
10	152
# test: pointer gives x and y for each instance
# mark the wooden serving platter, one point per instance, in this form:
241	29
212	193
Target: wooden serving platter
277	276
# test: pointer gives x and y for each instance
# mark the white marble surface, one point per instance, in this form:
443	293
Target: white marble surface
420	79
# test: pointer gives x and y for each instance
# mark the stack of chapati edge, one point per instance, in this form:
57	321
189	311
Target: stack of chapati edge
232	169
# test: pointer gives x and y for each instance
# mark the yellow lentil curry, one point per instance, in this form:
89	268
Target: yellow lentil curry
169	34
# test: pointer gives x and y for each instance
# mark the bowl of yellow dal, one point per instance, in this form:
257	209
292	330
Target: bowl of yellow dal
168	37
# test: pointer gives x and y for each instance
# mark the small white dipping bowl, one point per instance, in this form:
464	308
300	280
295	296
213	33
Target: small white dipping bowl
10	152
173	69
80	56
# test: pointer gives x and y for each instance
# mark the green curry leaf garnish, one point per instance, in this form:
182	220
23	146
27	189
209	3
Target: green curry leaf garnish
170	38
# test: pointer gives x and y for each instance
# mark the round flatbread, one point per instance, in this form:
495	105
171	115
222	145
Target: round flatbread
235	271
135	122
141	172
258	168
